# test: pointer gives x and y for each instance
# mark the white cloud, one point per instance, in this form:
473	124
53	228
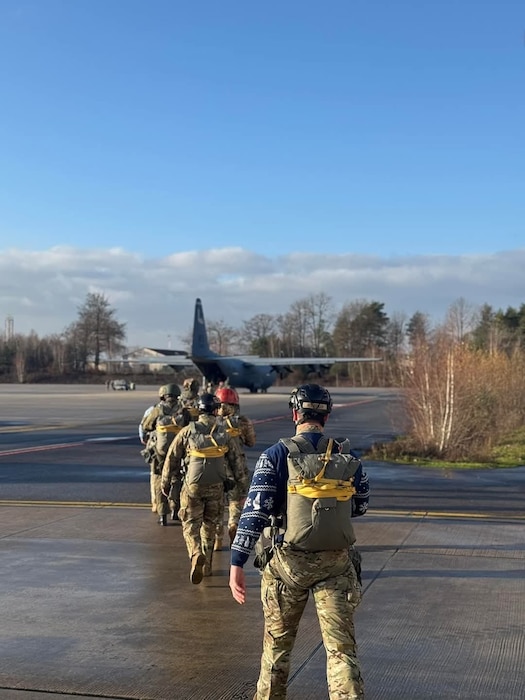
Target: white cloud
42	290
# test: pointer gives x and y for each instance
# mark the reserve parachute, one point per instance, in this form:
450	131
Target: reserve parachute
320	489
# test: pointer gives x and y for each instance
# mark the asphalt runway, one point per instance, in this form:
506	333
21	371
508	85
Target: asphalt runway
96	601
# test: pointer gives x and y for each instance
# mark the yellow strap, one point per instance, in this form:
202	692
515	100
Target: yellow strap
218	451
172	428
325	459
232	430
328	488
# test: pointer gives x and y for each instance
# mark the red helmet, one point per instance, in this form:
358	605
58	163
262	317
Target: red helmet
227	395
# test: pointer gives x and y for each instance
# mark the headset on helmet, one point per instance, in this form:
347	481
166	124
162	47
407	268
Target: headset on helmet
169	390
311	400
227	395
208	403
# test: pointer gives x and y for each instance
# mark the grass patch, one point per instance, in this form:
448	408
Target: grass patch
509	452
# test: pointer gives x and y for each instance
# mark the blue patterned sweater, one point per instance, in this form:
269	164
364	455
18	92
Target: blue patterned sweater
267	496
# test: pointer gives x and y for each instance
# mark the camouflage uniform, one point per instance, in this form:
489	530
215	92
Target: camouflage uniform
242	430
333	576
161	413
203	488
189	397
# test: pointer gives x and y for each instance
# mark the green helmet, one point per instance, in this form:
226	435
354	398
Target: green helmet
169	390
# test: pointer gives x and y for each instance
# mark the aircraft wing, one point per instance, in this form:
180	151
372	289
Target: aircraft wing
172	361
287	361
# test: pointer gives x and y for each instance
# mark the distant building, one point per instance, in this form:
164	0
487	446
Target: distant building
129	359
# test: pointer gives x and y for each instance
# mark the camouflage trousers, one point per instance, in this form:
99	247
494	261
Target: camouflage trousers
161	502
285	587
235	500
200	509
235	506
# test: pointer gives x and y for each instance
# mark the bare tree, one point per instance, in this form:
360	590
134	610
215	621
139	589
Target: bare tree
461	319
318	321
96	331
258	335
20	360
222	337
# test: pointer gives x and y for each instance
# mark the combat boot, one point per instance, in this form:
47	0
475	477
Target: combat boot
197	563
163	520
218	543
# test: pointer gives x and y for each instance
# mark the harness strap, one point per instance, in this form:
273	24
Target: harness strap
204	452
318	486
232	429
328	488
171	428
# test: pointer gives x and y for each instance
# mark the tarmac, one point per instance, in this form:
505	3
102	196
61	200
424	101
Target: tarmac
96	603
93	606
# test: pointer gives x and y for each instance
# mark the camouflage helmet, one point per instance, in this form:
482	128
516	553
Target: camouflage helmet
169	390
311	401
190	388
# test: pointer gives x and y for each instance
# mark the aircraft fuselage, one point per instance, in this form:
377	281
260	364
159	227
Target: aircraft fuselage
238	373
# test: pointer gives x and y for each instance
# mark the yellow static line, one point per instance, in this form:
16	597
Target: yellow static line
445	514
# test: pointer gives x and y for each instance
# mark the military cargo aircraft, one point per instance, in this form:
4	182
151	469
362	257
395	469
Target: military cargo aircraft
240	371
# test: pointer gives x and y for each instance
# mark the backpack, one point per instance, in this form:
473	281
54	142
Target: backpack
165	430
320	489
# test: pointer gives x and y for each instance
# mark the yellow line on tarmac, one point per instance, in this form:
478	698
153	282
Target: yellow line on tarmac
375	511
75	504
446	514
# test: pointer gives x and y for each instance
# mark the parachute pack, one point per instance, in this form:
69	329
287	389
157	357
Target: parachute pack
206	463
320	489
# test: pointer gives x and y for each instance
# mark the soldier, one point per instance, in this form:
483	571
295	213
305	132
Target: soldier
212	464
242	431
159	426
144	439
190	396
307	488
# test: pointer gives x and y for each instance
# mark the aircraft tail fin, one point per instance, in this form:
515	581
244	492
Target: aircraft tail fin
199	344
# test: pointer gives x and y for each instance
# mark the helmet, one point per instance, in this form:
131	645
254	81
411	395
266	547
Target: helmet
191	384
169	390
190	389
311	401
227	395
208	403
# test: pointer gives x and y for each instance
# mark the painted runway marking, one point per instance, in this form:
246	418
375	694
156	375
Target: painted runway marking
39	448
63	445
392	513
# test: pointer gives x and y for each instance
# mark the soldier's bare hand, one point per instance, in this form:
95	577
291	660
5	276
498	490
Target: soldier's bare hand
238	584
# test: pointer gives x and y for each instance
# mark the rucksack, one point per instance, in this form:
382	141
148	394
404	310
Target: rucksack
319	494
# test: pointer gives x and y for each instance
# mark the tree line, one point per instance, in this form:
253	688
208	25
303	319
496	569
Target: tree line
462	379
310	328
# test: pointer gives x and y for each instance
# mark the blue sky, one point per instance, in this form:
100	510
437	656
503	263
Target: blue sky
361	127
